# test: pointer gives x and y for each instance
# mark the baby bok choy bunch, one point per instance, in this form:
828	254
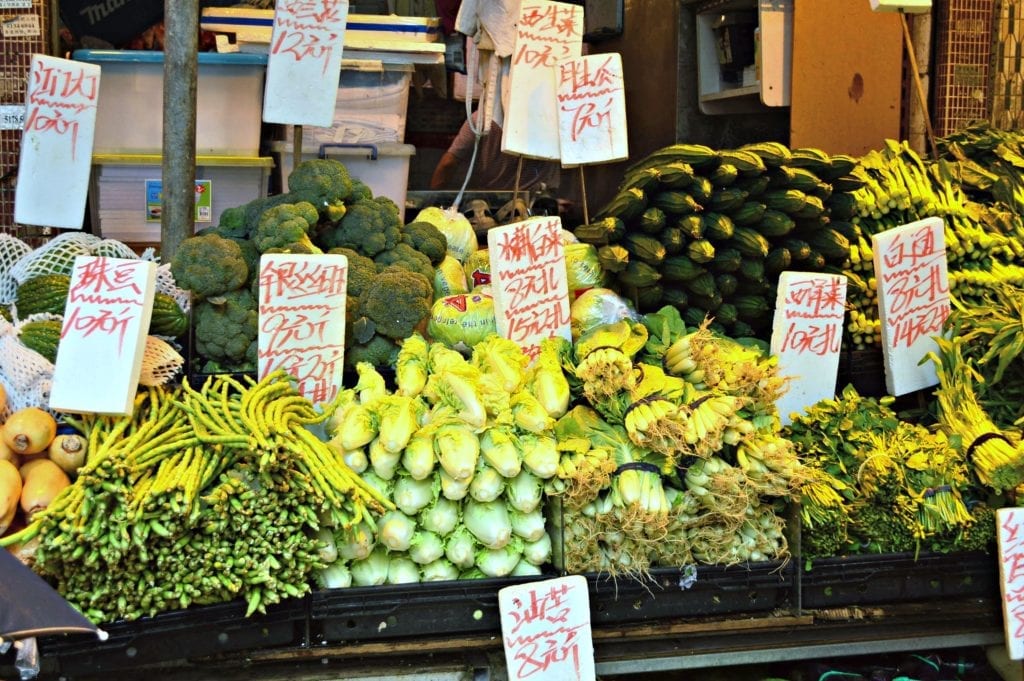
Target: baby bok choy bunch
462	448
667	469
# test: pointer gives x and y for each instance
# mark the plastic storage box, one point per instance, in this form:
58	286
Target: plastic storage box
229	102
383	167
370	107
118	202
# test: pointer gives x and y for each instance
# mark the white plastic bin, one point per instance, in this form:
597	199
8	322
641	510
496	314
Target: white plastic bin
118	202
229	102
383	167
370	107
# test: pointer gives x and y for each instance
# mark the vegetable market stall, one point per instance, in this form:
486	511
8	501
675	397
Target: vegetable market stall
677	409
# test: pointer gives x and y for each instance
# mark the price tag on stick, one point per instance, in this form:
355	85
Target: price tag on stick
304	62
103	337
807	335
592	110
302	320
529	281
913	300
56	143
546	33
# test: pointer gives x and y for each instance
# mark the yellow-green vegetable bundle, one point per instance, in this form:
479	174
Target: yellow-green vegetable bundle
199	497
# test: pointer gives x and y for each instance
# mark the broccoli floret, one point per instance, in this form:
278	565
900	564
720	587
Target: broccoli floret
381	352
369	227
254	209
361	271
323	182
286	228
250	254
225	326
360	190
397	301
232	223
404	255
209	265
427	239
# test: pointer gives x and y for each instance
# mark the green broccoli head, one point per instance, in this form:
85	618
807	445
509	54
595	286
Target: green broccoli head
225	326
361	271
360	190
254	209
427	239
397	301
323	182
232	223
404	255
209	265
379	351
369	227
286	227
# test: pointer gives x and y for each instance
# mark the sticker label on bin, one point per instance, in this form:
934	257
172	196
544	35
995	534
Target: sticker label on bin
155	200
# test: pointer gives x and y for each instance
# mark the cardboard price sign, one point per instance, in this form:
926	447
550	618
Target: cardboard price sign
546	33
56	144
1010	534
103	337
592	109
545	628
304	62
529	282
913	300
302	320
807	335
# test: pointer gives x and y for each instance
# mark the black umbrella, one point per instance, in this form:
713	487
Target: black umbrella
30	607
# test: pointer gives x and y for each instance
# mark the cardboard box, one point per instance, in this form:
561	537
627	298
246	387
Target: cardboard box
229	102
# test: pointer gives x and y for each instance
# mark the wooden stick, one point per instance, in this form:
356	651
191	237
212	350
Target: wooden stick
583	197
922	98
296	148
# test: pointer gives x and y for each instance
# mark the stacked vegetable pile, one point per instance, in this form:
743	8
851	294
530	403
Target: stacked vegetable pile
979	365
200	496
390	277
982	240
879	484
709	231
669	466
461	448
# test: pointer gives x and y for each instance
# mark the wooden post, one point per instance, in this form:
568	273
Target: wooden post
918	87
181	64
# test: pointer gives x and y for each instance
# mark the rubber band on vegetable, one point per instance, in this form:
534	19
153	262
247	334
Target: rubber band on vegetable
637	466
982	439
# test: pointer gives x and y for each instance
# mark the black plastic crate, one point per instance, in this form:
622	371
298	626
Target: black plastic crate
898	578
693	591
192	633
366	613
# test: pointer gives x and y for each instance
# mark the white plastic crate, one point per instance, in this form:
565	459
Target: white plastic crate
229	102
383	167
370	107
119	206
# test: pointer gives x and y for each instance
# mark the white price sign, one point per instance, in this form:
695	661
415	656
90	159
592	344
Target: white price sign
15	4
12	116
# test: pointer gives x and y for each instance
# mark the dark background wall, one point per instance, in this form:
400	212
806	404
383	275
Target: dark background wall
660	68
